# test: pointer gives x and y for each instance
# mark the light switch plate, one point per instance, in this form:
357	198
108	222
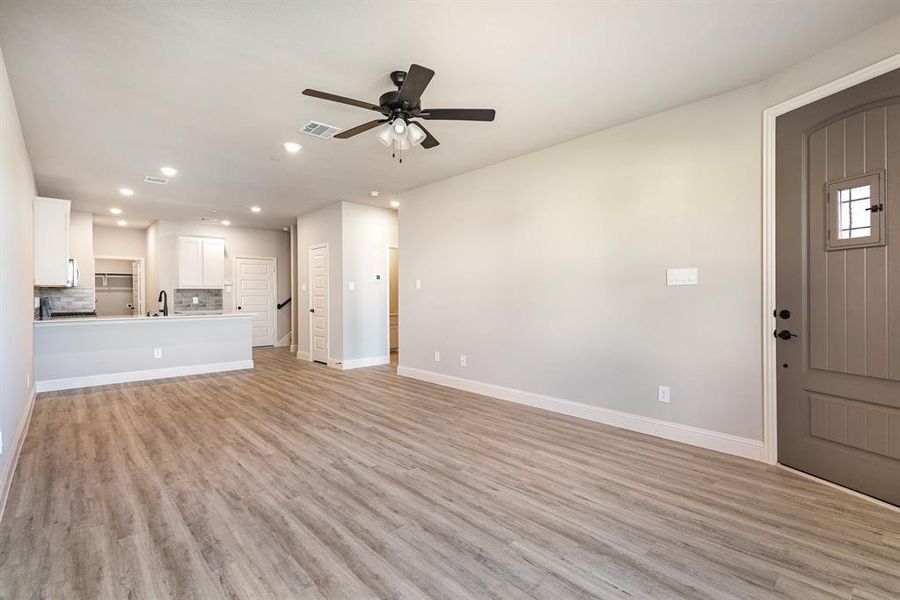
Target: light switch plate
37	302
437	356
462	360
351	286
157	353
303	287
682	276
418	284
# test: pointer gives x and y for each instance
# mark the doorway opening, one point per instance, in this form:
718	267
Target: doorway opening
118	286
393	305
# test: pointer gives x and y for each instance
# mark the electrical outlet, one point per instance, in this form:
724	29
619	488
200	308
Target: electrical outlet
418	284
462	360
157	353
195	300
37	302
437	356
303	287
351	286
663	394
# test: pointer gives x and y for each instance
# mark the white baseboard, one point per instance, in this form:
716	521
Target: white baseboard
284	341
68	383
303	355
704	438
294	348
14	449
371	361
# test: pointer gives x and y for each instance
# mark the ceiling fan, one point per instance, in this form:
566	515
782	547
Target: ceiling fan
397	128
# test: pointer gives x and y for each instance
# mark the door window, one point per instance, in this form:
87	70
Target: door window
855	208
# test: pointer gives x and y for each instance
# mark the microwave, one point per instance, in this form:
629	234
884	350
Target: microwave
72	273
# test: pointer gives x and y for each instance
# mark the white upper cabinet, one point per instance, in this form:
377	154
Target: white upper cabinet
51	241
213	263
201	262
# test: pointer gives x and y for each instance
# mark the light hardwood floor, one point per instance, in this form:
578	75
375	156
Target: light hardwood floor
300	481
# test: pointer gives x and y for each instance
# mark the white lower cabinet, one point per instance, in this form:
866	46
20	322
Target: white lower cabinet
201	262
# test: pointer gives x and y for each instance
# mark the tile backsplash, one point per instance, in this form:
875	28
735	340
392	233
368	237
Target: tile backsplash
208	300
63	300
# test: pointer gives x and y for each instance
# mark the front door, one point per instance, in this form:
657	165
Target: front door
318	300
254	283
838	287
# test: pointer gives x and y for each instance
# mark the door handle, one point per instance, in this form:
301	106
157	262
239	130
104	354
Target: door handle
312	310
782	314
785	334
239	308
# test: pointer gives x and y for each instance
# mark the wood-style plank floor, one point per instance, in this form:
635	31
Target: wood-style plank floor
299	481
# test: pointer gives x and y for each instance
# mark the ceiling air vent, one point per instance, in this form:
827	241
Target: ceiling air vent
320	130
156	180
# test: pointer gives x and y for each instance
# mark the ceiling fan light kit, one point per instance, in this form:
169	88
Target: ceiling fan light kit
397	129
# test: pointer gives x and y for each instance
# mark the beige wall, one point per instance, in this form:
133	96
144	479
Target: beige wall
17	193
318	227
548	270
120	241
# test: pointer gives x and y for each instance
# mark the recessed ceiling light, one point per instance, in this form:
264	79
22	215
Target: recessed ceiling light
116	211
285	228
126	191
226	222
292	147
395	203
374	193
169	171
255	209
122	222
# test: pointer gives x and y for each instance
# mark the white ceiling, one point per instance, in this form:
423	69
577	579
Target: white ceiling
109	92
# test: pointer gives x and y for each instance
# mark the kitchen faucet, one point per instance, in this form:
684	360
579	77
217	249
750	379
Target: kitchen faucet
164	298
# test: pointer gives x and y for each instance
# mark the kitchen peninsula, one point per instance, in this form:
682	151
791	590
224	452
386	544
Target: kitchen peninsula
81	352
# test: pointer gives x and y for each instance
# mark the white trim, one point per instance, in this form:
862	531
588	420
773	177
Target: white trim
294	349
68	383
704	438
273	306
371	361
840	488
769	357
303	355
9	470
285	341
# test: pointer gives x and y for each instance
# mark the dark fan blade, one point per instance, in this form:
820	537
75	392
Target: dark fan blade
430	141
417	79
359	129
342	100
458	114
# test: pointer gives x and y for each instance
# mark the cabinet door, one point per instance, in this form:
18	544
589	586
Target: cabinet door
190	262
213	263
51	241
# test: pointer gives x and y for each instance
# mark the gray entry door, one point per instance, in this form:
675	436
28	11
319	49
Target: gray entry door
838	274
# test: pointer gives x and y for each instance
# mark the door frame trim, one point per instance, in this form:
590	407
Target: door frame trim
273	310
387	270
769	357
309	302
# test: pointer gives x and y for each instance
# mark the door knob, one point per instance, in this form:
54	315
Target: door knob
785	334
312	310
782	314
239	308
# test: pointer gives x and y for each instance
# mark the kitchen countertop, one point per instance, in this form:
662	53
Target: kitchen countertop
63	321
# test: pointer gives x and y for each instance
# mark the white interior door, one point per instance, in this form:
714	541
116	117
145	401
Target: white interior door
254	283
318	303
